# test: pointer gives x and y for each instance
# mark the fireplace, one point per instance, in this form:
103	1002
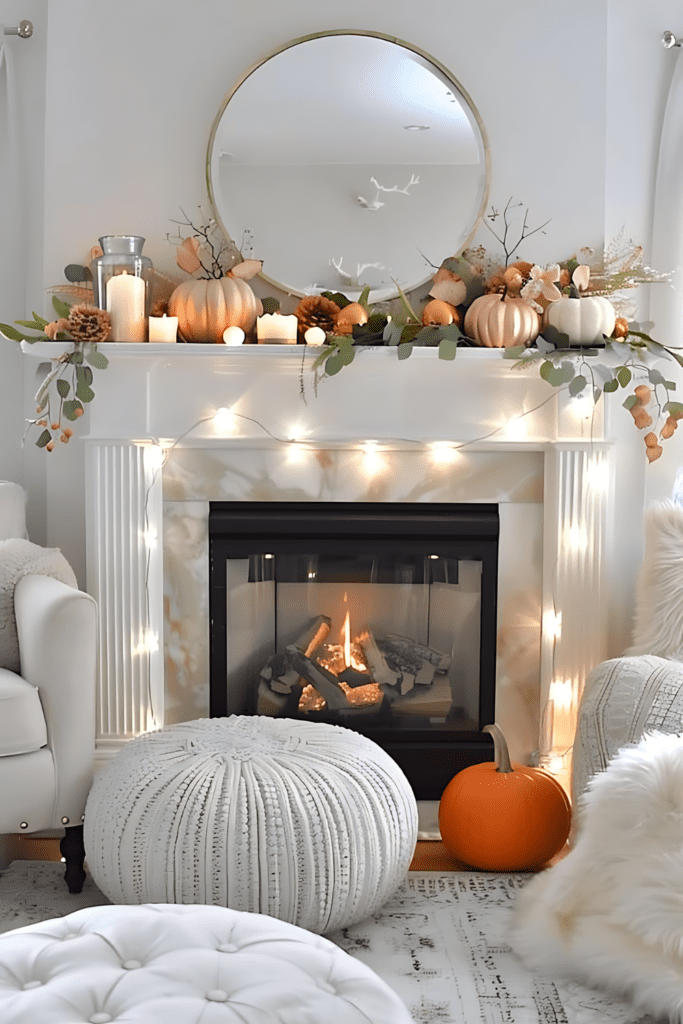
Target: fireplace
380	617
209	423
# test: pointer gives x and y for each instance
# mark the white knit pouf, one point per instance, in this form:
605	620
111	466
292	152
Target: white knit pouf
310	823
184	965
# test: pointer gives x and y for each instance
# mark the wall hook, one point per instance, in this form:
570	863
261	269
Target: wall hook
669	40
24	30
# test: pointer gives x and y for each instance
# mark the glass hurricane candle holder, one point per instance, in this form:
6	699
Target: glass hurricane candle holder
122	285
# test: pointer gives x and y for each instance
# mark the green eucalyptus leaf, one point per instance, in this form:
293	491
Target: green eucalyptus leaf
624	376
75	273
404	349
678	357
84	375
76	357
44	438
62	308
673	408
611	385
655	377
448	349
577	385
409	332
347	354
334	364
13	334
70	408
596	395
514	351
392	333
363	297
337	297
670	385
429	337
270	304
543	345
63	387
629	402
96	358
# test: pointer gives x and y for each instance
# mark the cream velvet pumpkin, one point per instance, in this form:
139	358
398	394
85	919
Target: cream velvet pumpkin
584	320
206	307
501	321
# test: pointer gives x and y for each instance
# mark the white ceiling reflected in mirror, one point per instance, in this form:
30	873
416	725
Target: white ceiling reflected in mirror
348	159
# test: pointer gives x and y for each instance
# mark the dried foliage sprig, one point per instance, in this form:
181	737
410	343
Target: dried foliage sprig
67	388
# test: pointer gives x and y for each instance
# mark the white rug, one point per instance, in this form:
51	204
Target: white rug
439	943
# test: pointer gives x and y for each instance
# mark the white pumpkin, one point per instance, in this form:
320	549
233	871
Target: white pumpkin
584	320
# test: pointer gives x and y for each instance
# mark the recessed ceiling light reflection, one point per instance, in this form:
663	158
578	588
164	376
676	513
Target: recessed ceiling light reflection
416	127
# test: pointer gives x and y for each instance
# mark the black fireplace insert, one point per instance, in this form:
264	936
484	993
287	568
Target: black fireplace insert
377	616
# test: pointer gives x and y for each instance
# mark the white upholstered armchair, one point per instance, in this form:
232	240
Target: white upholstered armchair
48	641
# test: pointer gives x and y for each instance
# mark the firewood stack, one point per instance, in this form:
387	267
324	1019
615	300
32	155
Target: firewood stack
299	680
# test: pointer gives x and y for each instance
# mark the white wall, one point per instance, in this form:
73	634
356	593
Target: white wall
572	100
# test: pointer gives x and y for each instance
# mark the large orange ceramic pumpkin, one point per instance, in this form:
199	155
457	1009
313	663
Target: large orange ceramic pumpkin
206	307
501	321
499	816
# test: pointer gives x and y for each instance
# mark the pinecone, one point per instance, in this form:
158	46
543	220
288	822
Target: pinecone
87	323
316	311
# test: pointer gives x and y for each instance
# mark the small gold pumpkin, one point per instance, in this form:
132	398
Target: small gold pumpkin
501	321
348	316
438	313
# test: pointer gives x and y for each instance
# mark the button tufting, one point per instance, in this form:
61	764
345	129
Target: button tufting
227	947
32	984
100	1018
70	935
326	987
217	995
130	965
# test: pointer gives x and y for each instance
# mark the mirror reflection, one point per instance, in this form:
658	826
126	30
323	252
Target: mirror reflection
347	160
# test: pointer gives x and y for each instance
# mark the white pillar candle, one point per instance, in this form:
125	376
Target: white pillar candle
233	336
126	306
163	328
315	336
275	329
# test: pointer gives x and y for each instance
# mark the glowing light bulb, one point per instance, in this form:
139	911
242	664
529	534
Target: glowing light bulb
225	421
443	452
516	429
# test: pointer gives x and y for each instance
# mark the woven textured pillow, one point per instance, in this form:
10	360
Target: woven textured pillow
19	558
310	823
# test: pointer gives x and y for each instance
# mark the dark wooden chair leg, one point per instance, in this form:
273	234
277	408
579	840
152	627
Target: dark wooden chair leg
73	851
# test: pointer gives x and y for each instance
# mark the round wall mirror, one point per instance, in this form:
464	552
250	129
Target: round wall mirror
347	160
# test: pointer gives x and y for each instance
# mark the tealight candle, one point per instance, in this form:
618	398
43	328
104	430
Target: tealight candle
315	336
276	329
126	306
163	328
233	336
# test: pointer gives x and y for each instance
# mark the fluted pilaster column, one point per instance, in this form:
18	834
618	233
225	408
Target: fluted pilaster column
125	576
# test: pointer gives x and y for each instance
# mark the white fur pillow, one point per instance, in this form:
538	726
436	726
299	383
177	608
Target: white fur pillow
19	558
658	625
610	914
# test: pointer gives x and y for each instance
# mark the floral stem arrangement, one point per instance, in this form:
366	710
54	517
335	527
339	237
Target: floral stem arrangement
560	318
67	388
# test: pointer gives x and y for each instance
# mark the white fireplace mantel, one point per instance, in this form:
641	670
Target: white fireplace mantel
157	404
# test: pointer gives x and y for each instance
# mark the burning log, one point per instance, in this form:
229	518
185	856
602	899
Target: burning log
311	639
379	670
414	650
326	683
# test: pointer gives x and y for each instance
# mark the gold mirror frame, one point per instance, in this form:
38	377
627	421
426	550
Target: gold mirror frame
349	32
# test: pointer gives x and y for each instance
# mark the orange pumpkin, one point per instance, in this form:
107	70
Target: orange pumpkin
501	321
499	816
206	307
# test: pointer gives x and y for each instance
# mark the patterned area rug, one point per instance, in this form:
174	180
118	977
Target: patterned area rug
439	943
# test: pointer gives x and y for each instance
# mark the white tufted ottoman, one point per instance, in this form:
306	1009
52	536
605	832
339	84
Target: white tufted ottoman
309	823
184	965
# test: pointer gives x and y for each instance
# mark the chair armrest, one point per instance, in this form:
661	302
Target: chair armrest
57	630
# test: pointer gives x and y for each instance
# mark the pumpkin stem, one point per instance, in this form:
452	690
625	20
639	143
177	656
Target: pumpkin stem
500	748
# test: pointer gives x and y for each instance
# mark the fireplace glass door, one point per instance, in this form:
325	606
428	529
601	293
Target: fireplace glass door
380	618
